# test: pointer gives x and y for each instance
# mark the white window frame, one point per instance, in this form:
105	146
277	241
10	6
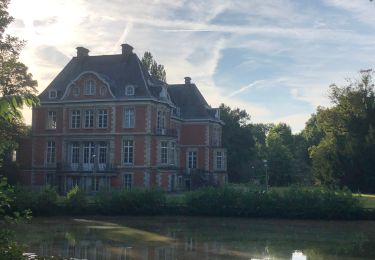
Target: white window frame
89	87
219	160
75	153
163	152
128	151
88	155
129	117
192	159
172	153
51	152
75	119
102	118
160	121
89	118
103	153
127	181
51	120
129	90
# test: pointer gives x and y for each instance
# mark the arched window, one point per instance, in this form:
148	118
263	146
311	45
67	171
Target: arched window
129	90
89	88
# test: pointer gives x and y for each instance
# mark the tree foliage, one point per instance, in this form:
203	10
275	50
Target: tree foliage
237	137
155	69
343	136
17	88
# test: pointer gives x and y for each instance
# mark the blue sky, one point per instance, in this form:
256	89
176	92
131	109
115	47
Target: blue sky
275	59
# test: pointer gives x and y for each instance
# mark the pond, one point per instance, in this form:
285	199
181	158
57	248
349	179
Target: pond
197	238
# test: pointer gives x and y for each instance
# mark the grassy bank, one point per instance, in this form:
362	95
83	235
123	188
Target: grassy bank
292	202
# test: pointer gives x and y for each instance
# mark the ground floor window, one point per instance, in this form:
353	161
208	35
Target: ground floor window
127	181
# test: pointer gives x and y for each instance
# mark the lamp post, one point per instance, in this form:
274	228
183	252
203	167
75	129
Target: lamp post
265	166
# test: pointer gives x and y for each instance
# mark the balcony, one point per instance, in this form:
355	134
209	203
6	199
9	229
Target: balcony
86	167
166	132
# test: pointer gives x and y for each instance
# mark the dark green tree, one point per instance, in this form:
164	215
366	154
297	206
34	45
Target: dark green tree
155	69
345	154
279	145
238	138
17	88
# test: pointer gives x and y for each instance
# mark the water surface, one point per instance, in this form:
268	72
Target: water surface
197	238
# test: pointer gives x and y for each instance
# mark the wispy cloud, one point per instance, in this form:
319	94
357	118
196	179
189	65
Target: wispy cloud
240	90
308	44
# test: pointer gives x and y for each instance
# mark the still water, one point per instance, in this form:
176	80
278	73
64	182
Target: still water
165	238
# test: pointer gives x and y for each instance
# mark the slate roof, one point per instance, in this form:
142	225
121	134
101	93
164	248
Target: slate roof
119	71
190	101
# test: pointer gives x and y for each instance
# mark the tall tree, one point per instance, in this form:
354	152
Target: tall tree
17	88
345	154
155	69
279	145
238	139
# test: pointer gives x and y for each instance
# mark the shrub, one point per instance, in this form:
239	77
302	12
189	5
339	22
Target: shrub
292	202
136	202
76	202
45	202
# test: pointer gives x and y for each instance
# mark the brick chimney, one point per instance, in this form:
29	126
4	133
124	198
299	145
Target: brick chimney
187	80
82	52
126	49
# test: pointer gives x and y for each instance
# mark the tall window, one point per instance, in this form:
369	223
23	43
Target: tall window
164	152
129	117
51	152
127	181
89	88
102	153
161	120
128	151
192	160
89	118
172	153
75	153
219	160
102	118
75	121
88	153
51	120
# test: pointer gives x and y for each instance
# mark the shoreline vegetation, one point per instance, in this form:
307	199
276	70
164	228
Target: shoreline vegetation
292	202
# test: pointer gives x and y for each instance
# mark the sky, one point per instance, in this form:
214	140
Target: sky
273	58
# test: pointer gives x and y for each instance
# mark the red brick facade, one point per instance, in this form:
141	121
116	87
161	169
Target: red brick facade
93	132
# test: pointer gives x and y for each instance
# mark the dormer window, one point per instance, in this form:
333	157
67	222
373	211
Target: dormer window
89	88
52	94
129	90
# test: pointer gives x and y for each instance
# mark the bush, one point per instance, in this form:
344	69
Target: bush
46	202
136	202
76	202
293	202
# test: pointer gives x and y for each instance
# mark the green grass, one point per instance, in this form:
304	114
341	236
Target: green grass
367	200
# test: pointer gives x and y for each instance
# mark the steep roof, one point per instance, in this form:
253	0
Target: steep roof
117	70
126	69
190	101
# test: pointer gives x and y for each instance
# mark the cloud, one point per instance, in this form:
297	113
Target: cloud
242	89
309	45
